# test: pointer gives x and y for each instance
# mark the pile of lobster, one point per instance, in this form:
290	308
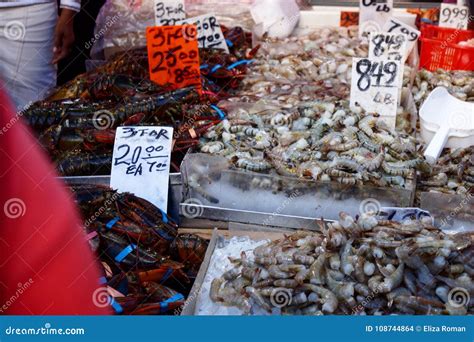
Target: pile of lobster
76	124
148	268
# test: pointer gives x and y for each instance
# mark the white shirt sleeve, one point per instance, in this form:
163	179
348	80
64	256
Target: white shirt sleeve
74	5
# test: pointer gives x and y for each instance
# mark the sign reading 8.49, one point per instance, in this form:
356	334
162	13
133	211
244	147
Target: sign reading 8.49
173	56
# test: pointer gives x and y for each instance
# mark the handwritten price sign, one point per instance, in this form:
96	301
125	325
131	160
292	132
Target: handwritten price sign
387	46
173	56
209	32
454	16
375	87
169	12
373	15
397	26
141	162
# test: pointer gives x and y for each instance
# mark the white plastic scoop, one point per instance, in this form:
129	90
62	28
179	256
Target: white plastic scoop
446	122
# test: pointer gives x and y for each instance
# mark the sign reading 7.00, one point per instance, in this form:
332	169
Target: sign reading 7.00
173	56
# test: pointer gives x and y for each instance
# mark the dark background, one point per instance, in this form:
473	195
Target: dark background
84	23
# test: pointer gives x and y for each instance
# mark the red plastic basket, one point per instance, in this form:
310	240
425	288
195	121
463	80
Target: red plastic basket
440	49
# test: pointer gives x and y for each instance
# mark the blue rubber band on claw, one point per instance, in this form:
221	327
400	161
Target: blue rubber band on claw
125	252
168	273
116	306
112	222
102	280
164	305
229	43
219	112
204	66
236	64
164	217
216	67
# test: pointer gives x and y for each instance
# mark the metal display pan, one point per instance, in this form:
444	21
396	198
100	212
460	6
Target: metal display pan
210	182
453	213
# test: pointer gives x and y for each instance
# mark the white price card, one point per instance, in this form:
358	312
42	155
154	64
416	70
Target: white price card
388	46
396	26
373	15
385	46
141	162
375	87
454	16
169	12
209	31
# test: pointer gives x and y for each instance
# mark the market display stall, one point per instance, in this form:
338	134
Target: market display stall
318	131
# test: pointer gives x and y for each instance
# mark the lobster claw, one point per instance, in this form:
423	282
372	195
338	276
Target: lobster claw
163	273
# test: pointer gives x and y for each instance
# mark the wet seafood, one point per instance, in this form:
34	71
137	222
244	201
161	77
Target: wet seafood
452	174
135	242
459	83
76	123
319	140
384	268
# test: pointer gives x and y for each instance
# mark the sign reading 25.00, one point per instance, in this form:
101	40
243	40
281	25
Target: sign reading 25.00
173	56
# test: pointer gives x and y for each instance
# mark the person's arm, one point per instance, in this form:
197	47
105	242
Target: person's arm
46	264
64	33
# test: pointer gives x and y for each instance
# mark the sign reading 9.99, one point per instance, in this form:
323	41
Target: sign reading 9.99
173	56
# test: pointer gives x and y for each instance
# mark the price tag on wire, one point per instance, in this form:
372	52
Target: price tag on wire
169	12
396	26
373	15
209	32
141	162
454	16
173	56
375	87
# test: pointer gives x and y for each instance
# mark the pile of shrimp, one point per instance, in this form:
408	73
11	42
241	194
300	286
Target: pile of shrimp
459	83
321	140
453	173
362	266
